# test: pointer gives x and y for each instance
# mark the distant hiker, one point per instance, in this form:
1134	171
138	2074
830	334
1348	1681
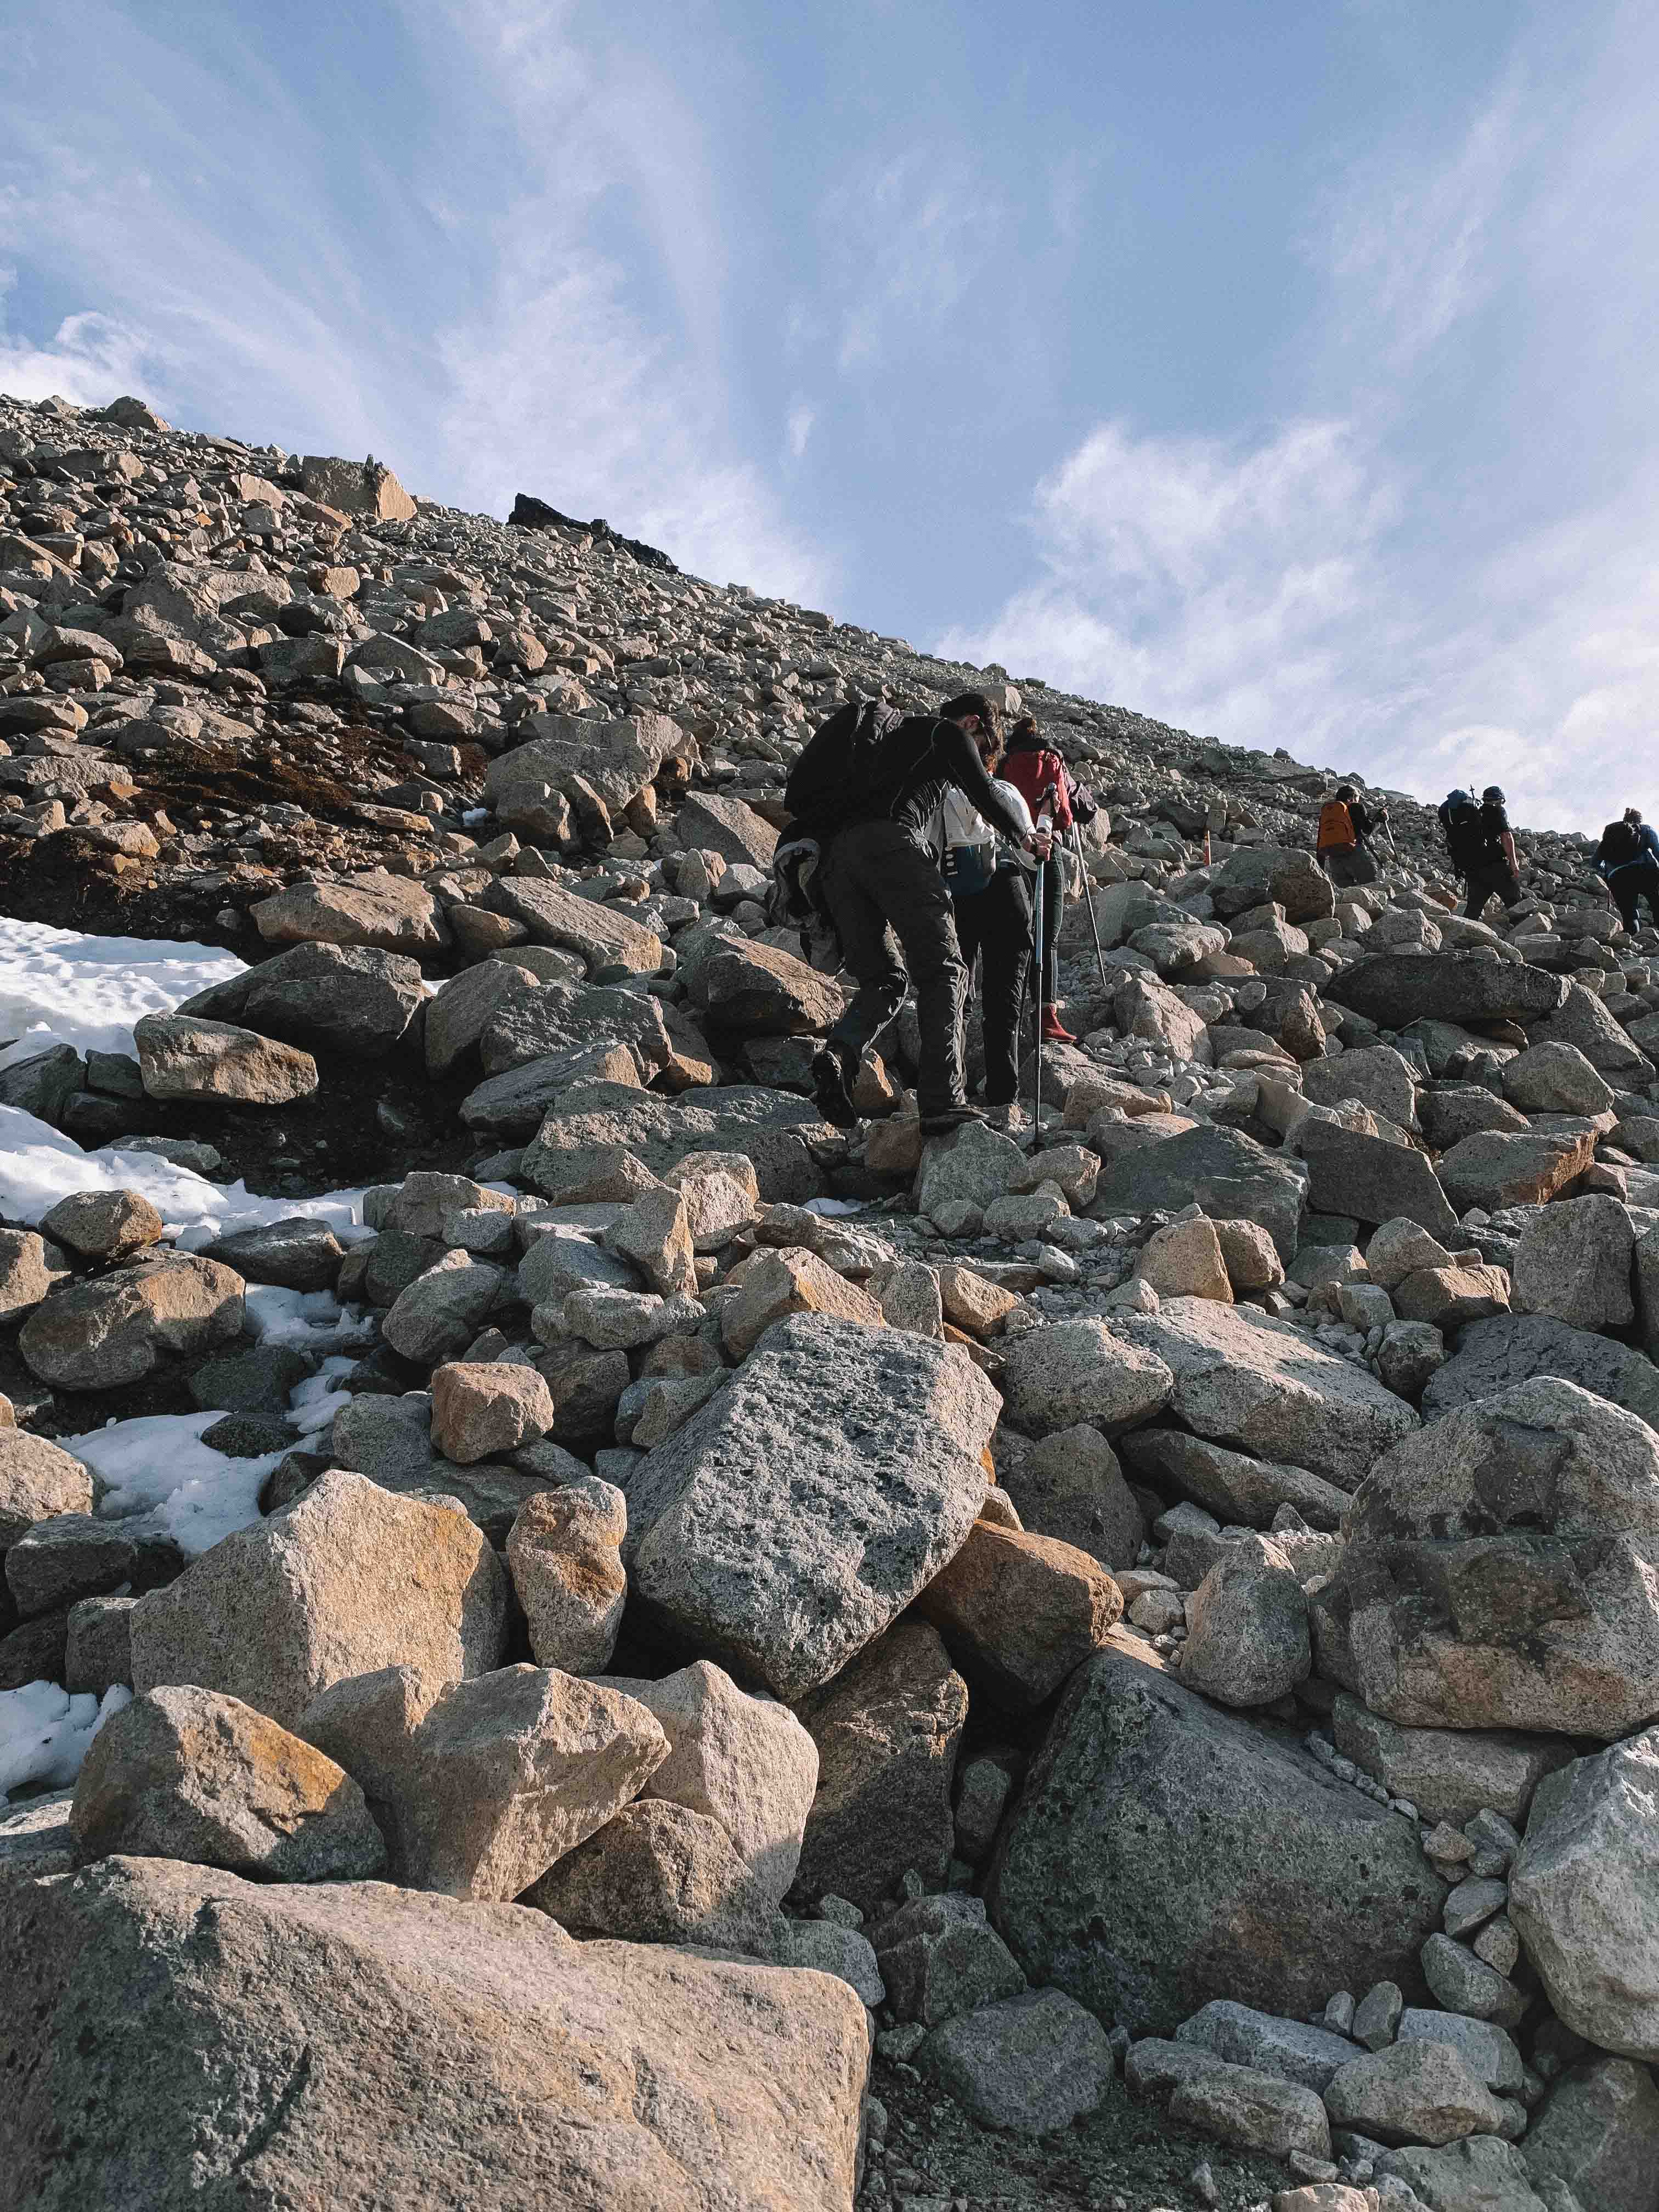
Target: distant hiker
1346	829
1040	776
867	787
1628	857
1481	846
990	884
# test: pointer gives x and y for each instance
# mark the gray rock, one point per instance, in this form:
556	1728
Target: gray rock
98	1644
353	999
530	1024
1486	2050
320	2018
1511	1348
1238	1489
887	1730
1583	1020
1226	1172
1555	1078
1395	988
443	1310
603	934
976	1166
1071	1487
1148	1814
1599	2130
346	1580
1448	1774
1482	2174
1411	2092
1264	1387
1500	1570
938	1958
1574	1262
1288	2048
1248	1641
1582	1895
299	1254
70	1556
1250	2111
843	1952
856	1451
190	1774
1030	2065
1078	1372
1491	1170
1462	1982
1372	1179
1280	875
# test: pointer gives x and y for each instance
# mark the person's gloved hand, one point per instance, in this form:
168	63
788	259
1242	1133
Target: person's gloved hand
1042	842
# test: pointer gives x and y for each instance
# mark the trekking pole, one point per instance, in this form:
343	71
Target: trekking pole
1036	1003
1089	900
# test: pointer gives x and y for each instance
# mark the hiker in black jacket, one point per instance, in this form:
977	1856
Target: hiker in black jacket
881	875
1628	858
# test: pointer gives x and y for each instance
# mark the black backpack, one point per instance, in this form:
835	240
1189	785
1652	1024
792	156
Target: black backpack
1619	843
1466	835
840	774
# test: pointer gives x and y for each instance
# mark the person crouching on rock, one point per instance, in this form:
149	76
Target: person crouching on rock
990	884
880	875
1038	774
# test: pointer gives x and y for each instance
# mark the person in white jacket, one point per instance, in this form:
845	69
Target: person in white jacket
990	886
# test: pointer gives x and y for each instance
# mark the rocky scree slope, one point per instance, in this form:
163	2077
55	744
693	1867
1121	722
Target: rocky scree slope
1150	1626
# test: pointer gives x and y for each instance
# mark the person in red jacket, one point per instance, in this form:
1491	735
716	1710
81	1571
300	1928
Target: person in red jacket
1038	774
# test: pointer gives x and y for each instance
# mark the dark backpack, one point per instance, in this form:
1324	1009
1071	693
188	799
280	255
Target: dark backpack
1466	835
840	774
1620	844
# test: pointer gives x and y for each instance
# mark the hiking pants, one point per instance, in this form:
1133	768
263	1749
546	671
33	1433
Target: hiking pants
879	878
1637	879
1483	882
1348	865
995	926
1054	913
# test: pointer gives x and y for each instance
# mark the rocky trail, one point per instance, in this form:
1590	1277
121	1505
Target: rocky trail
574	1635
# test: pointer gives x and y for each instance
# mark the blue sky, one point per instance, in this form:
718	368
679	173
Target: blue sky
1283	370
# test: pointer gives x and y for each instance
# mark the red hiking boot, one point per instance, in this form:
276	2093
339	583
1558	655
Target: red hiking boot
1054	1030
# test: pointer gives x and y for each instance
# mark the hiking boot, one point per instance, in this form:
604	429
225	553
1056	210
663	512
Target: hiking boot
1054	1030
833	1071
953	1117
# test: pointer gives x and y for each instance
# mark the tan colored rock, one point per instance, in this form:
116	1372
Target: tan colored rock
116	1328
1248	1641
38	1479
972	1303
346	1580
1249	1254
367	488
791	1280
1185	1261
184	1057
479	1786
1021	1612
480	1408
390	911
104	1224
564	1556
660	1873
185	1773
416	2051
655	1234
602	933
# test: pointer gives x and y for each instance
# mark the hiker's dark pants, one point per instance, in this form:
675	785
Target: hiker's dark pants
876	878
1348	865
1054	913
1637	879
995	926
1497	879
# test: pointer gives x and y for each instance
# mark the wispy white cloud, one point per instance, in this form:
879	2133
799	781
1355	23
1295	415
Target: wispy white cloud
1450	568
523	290
797	429
908	240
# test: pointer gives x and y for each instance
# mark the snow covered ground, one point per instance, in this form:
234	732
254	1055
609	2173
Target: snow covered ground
45	1732
63	985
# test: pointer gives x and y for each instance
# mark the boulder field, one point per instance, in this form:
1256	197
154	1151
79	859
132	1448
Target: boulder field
651	1646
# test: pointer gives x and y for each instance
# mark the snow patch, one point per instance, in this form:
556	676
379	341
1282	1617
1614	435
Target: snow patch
66	987
45	1732
164	1481
311	1319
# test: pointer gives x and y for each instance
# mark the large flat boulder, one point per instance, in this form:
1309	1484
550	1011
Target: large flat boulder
615	759
175	2035
117	1328
1280	875
773	1129
1493	1168
1264	1386
799	1512
1227	1173
182	1056
1501	1570
531	1024
602	933
1494	1354
1165	1853
355	999
1373	1180
392	911
347	1579
1395	988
